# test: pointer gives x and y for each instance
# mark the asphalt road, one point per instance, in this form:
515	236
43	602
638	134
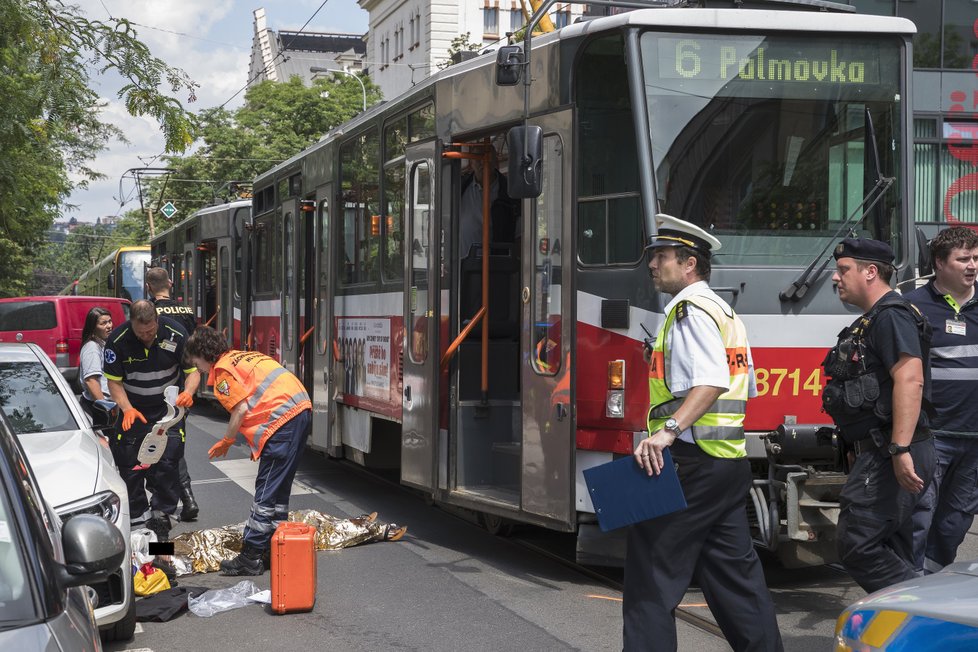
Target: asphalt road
448	585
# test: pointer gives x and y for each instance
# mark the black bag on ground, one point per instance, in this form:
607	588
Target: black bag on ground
166	605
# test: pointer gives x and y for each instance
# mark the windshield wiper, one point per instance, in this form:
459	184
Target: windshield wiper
800	285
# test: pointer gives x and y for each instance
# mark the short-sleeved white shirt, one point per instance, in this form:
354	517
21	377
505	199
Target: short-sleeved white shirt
694	351
90	364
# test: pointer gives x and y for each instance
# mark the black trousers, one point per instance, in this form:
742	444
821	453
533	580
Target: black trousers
162	478
708	542
875	532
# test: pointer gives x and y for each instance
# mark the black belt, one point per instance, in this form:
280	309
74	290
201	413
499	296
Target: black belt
867	444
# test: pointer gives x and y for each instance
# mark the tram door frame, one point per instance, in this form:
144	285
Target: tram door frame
321	388
421	376
188	277
291	272
548	492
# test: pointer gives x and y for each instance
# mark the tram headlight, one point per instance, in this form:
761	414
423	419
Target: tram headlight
615	401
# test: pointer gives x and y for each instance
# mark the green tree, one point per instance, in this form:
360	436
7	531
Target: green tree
50	121
277	121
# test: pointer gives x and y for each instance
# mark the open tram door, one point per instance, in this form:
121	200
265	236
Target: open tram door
420	428
325	361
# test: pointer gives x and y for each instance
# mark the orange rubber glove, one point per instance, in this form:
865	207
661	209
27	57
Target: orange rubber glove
220	449
185	399
129	417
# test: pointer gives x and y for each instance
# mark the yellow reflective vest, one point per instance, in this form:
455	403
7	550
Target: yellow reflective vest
719	432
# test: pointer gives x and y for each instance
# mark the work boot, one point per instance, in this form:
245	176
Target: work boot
159	522
248	562
190	507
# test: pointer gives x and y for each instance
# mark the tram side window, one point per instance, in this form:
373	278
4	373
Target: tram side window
548	219
609	209
360	229
266	258
394	221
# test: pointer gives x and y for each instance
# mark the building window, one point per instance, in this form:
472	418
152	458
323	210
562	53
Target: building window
411	28
490	20
561	18
417	22
515	19
946	180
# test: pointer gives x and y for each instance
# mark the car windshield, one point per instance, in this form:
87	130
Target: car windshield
16	604
30	399
771	141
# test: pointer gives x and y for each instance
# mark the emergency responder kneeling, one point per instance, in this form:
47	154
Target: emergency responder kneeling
878	394
700	377
271	409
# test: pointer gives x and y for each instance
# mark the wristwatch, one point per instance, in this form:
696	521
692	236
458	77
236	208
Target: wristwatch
894	449
672	426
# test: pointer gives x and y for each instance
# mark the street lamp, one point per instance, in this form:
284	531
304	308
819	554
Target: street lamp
315	69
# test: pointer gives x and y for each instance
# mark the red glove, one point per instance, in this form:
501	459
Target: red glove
129	417
220	449
185	399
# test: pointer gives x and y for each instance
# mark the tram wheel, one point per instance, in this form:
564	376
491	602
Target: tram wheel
496	525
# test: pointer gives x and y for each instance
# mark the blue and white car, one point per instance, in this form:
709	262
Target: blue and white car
73	466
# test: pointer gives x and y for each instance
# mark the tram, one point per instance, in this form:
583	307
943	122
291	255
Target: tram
120	274
490	378
205	256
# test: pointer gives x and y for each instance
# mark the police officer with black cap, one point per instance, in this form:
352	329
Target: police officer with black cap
700	377
878	395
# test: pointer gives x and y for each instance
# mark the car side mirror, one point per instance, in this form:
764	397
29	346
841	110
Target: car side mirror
93	548
110	280
925	266
525	162
509	65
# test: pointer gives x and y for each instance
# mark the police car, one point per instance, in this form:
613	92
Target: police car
935	612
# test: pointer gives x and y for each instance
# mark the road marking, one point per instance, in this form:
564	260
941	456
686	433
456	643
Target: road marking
243	473
211	481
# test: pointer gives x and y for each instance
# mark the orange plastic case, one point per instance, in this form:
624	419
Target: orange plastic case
293	568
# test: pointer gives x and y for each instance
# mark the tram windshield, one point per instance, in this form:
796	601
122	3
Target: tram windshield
132	268
768	140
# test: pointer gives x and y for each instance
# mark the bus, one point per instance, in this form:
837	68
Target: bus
120	274
489	379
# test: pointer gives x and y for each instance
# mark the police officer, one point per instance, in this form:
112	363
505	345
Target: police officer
947	509
142	357
700	377
879	382
271	409
158	284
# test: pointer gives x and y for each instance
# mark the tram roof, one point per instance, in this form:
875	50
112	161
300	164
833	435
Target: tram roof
685	18
237	203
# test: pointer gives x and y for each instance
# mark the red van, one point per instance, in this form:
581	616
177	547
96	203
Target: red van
55	324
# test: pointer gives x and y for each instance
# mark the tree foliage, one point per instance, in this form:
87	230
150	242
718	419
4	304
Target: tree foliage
50	124
460	43
277	121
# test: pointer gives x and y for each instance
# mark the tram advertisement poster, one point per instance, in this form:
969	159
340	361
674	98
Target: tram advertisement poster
365	348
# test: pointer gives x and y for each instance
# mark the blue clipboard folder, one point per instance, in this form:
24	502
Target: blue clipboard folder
624	494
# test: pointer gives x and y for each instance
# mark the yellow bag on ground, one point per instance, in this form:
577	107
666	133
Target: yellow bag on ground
149	580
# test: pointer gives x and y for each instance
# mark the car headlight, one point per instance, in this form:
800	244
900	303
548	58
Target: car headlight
105	504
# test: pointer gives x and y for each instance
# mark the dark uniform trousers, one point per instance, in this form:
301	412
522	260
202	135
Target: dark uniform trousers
875	531
162	478
277	465
708	542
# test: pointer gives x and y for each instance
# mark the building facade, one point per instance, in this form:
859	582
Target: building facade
408	40
278	56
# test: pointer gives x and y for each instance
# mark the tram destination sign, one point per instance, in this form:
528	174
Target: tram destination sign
776	60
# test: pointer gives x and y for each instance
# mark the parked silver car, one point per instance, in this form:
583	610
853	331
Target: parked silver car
73	465
45	564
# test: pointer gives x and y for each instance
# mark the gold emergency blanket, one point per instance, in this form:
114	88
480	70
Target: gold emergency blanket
203	551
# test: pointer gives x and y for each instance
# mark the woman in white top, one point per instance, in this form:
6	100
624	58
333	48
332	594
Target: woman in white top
98	325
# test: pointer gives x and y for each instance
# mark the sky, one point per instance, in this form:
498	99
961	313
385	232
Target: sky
210	40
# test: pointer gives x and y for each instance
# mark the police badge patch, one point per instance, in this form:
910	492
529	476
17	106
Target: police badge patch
223	388
839	248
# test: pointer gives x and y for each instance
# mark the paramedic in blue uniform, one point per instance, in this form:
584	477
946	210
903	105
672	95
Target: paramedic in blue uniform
142	357
877	394
159	285
700	377
947	509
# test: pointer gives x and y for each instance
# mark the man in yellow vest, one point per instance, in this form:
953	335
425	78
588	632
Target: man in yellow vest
271	409
700	377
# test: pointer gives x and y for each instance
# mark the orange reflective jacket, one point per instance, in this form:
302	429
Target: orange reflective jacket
274	394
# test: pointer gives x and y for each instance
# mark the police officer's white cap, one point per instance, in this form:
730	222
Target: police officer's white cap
674	232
